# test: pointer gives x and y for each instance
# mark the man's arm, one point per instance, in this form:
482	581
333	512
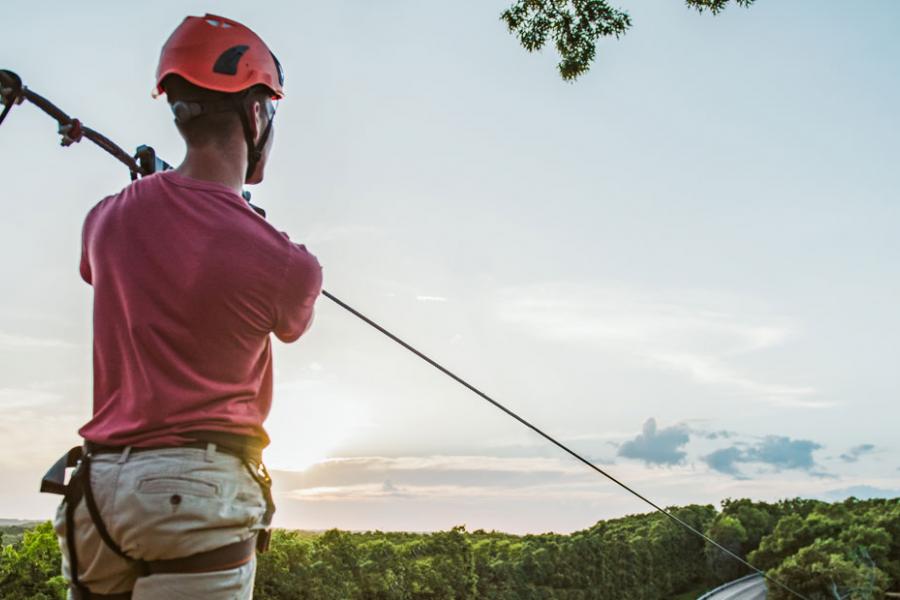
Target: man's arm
300	288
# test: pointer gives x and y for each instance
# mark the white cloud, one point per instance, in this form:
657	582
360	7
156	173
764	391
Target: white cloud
447	463
365	476
17	342
375	491
26	398
855	453
450	478
697	334
658	446
712	370
778	452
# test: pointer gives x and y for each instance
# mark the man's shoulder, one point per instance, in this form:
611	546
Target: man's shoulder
298	253
97	209
135	187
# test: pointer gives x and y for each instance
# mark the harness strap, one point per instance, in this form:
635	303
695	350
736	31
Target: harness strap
231	556
88	595
254	150
264	480
99	524
73	495
54	481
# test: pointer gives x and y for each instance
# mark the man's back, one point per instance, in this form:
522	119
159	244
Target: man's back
170	496
188	283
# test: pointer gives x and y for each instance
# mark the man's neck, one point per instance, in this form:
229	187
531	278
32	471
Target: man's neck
211	164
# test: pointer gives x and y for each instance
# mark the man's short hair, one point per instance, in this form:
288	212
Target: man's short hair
217	127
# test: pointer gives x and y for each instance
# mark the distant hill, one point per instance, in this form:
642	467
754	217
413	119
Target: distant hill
18	523
11	531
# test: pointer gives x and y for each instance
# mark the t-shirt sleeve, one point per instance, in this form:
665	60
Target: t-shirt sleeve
300	288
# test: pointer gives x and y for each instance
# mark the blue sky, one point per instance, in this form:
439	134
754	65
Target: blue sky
685	264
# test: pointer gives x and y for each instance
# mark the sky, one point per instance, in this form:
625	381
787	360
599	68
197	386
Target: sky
685	264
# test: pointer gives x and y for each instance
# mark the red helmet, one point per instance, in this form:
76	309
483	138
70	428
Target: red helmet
219	54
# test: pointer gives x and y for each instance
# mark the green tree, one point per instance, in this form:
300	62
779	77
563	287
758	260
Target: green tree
845	551
730	533
821	569
757	518
30	568
576	25
284	569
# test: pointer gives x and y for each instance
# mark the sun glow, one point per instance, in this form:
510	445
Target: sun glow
307	423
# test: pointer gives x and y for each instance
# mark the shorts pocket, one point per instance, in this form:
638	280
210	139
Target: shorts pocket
170	505
170	484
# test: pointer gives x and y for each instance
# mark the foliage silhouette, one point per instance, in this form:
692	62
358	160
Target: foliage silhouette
576	25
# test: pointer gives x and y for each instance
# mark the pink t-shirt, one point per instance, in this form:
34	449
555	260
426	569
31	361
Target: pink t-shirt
188	284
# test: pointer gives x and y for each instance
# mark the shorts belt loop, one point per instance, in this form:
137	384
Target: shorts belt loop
123	458
210	452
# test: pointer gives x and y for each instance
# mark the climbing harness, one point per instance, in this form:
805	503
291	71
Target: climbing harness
11	91
79	488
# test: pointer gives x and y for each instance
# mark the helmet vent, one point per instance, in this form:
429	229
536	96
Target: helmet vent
216	23
227	63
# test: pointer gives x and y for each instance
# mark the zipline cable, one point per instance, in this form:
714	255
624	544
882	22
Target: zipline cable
548	437
13	92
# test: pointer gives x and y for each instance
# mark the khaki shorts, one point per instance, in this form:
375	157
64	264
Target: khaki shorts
163	504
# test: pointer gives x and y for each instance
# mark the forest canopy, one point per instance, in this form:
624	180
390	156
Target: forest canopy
847	550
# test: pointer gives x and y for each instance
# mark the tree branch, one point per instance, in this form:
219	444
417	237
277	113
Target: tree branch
576	25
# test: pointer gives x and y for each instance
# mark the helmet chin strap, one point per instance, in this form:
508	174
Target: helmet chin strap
254	150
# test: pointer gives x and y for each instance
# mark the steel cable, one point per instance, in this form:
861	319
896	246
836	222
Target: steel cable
551	439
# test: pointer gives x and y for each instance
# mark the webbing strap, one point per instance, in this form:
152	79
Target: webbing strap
73	497
85	594
264	480
99	524
226	557
223	558
54	481
254	150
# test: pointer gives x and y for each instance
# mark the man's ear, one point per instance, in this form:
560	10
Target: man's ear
257	119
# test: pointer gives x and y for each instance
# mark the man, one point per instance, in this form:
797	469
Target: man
171	498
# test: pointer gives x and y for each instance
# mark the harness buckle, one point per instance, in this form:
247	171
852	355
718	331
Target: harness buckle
263	474
54	481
